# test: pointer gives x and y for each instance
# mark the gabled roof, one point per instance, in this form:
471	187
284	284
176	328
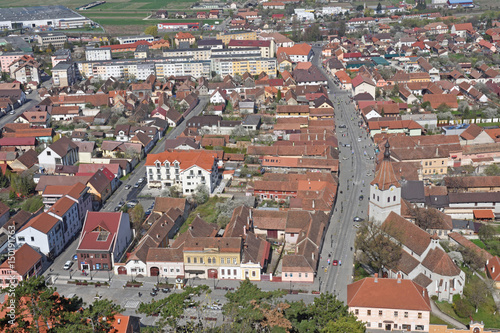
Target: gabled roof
43	223
100	230
62	146
25	259
380	293
493	267
407	233
438	262
186	159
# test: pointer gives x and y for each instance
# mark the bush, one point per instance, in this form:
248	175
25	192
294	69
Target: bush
32	204
462	308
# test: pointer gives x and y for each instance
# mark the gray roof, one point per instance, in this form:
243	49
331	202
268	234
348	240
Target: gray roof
474	197
413	191
62	66
37	13
252	119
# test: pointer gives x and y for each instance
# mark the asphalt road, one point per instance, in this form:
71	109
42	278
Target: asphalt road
32	100
355	174
140	171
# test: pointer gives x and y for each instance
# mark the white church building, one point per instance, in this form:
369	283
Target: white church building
423	260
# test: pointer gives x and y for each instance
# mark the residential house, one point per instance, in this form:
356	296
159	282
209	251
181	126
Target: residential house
25	70
493	270
361	84
62	152
297	53
184	39
78	193
23	264
105	237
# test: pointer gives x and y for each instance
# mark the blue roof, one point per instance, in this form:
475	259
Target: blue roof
458	2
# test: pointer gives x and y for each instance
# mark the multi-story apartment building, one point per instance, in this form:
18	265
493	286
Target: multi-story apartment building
184	169
56	39
133	39
237	35
196	54
240	64
97	54
196	68
267	47
63	74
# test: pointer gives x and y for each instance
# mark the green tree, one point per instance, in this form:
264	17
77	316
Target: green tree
492	170
487	233
345	324
379	8
33	204
95	318
151	30
278	95
23	184
4	180
37	303
137	215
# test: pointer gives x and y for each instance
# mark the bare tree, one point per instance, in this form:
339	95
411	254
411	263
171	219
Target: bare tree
377	248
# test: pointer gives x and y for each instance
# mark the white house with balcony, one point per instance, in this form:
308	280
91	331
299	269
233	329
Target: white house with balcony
184	169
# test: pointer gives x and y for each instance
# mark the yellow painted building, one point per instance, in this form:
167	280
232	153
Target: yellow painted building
435	166
473	328
239	35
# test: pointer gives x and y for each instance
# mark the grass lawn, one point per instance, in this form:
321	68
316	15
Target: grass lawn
438	321
478	242
486	313
488	124
119	21
206	211
359	272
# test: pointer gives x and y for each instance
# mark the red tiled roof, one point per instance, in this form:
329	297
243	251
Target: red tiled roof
483	214
201	158
493	267
95	221
388	294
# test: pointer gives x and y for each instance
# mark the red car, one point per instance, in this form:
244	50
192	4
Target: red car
335	263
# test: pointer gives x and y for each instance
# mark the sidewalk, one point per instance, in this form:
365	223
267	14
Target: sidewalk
443	316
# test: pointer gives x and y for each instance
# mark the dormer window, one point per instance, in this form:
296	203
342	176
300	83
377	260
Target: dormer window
158	164
176	164
167	164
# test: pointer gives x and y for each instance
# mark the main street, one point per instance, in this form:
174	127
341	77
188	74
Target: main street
32	100
355	174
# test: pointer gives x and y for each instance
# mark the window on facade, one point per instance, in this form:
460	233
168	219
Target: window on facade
379	312
104	256
32	238
20	239
419	327
379	325
221	260
368	312
378	199
307	275
395	313
222	271
105	266
356	312
286	274
406	314
420	315
228	261
373	196
201	261
368	324
189	260
253	273
177	270
97	256
234	261
388	199
234	272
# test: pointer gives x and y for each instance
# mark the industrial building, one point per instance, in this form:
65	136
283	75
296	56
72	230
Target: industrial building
41	17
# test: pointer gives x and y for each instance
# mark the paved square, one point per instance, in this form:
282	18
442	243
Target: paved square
132	304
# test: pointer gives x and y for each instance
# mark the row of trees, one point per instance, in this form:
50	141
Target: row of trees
250	309
38	306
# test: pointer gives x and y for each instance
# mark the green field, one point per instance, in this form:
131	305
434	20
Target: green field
138	22
110	5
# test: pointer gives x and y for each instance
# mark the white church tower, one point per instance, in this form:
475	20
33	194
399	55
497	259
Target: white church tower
385	190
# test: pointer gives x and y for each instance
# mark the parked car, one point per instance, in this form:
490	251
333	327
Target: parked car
68	265
361	198
357	219
117	208
127	187
335	263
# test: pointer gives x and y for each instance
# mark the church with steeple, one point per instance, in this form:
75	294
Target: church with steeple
385	191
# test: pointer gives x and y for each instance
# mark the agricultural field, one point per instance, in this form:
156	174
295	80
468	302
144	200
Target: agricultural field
111	5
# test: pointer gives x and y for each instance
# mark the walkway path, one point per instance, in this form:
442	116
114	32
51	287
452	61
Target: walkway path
443	316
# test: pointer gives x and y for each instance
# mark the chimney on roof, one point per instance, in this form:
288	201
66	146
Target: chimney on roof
376	278
312	255
437	151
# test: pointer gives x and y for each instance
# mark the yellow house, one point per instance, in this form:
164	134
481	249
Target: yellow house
238	35
286	111
435	166
473	328
212	257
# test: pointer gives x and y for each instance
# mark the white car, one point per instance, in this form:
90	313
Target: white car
68	265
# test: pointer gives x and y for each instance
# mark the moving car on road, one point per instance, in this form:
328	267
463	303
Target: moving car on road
68	265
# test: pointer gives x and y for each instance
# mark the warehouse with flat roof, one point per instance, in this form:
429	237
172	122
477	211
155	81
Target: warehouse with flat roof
55	17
